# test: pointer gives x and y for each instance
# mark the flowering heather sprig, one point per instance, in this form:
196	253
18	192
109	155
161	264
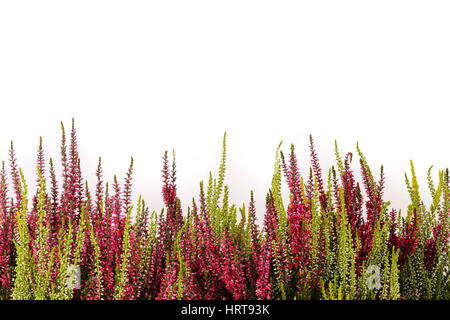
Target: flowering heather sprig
7	249
318	174
299	216
40	172
352	196
96	289
107	246
99	190
232	269
270	219
40	248
431	250
15	177
54	219
263	285
70	200
407	243
23	283
255	245
65	194
127	189
118	220
292	175
124	263
174	218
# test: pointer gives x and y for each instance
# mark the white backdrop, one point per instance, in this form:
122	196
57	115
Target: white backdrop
141	77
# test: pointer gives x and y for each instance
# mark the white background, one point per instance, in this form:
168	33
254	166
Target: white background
141	77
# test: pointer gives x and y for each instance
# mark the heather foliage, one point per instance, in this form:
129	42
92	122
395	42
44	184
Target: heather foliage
334	238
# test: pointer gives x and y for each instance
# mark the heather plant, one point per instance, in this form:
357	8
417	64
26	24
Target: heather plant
334	237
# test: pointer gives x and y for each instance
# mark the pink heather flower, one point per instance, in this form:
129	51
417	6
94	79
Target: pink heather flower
263	285
318	175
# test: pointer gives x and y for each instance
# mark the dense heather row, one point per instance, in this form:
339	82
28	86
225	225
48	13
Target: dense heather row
328	243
